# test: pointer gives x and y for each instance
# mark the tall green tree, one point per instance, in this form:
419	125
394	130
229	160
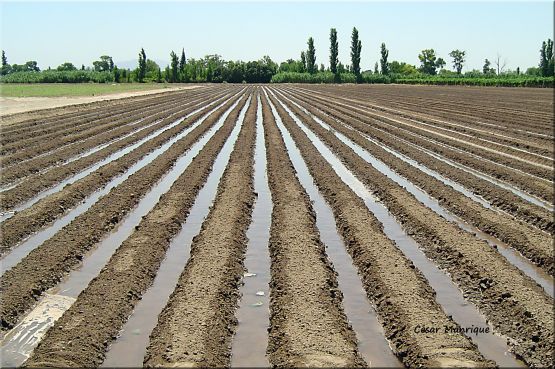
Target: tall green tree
334	51
546	62
142	66
376	71
311	57
174	67
159	76
458	59
429	62
303	60
356	48
182	64
383	60
6	69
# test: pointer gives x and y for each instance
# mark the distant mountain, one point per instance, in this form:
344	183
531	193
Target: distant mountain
132	64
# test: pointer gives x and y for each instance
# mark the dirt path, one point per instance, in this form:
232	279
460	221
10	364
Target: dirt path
102	308
10	106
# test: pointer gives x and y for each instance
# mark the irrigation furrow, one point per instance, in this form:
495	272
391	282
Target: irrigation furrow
132	267
43	184
540	171
498	288
457	106
544	152
44	267
196	326
85	192
59	156
74	151
253	315
84	115
534	244
402	297
502	199
372	344
307	324
130	345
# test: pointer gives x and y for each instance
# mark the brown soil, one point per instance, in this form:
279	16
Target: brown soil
43	180
388	276
46	265
497	196
515	305
16	109
96	317
307	324
196	326
537	187
50	208
534	244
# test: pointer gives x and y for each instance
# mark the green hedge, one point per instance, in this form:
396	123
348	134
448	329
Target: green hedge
54	76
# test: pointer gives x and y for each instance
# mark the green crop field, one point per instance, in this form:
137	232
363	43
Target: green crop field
71	89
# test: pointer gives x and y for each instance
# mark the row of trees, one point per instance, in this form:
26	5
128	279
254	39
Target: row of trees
213	68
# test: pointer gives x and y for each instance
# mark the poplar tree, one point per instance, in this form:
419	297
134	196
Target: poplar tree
174	66
383	61
142	66
311	57
334	50
356	47
303	61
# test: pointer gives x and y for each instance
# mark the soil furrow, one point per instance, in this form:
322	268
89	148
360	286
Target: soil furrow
401	295
444	146
129	272
515	305
47	264
73	115
534	244
466	129
15	142
36	183
37	163
44	212
501	198
196	326
307	324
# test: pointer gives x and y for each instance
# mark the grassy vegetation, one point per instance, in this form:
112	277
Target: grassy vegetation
71	89
500	81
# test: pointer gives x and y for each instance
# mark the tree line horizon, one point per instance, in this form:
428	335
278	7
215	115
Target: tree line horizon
214	69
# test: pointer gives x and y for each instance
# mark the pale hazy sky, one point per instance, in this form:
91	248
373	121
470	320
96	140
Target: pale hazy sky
54	32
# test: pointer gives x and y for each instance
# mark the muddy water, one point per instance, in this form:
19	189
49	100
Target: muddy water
95	260
372	344
512	255
251	337
19	252
114	156
515	190
130	347
403	157
492	346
